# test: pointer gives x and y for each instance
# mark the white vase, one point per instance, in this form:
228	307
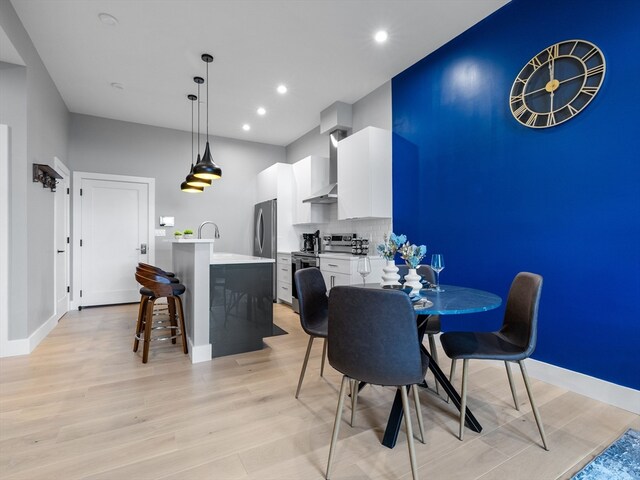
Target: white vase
412	279
390	275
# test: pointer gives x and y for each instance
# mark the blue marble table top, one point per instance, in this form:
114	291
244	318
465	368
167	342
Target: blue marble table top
456	300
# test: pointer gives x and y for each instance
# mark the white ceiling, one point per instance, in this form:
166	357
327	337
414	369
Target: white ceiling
321	49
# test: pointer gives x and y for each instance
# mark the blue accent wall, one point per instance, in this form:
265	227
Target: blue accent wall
496	197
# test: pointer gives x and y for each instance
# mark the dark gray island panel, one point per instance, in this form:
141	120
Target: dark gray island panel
241	307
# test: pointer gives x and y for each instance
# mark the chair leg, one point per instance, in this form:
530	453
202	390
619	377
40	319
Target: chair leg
354	400
514	393
463	402
434	354
324	356
183	329
304	364
147	329
452	373
536	414
171	305
407	423
416	400
336	423
141	317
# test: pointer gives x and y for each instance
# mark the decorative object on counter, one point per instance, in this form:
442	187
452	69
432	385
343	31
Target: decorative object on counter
187	233
360	246
193	184
387	249
177	234
46	175
206	168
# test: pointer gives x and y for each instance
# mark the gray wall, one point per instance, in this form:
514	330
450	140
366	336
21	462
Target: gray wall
110	146
372	110
31	248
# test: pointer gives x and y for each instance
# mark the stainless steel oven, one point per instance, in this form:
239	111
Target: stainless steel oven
300	260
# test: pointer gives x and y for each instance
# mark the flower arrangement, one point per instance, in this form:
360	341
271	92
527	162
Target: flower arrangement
390	246
412	254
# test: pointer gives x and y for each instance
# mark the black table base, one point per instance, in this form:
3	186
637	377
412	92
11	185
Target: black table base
395	417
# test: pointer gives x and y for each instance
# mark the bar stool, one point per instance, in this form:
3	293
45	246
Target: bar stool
145	268
154	287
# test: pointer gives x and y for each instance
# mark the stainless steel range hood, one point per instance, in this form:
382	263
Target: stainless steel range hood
335	120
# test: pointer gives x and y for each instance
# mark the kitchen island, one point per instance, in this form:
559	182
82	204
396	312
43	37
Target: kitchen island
228	300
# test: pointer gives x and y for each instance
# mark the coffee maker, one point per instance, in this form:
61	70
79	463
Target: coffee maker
311	242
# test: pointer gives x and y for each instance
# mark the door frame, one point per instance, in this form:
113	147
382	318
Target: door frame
4	240
78	177
60	167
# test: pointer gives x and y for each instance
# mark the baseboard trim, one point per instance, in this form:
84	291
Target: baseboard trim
199	353
13	348
25	346
601	390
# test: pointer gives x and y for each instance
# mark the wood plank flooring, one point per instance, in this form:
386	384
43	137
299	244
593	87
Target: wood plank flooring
82	405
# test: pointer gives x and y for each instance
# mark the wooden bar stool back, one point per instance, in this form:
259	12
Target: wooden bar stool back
154	287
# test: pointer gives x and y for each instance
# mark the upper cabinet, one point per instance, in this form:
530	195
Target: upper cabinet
276	182
309	175
364	175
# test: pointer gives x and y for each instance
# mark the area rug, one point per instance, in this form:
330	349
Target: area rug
620	461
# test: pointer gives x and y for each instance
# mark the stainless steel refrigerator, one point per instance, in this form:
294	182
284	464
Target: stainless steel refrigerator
265	236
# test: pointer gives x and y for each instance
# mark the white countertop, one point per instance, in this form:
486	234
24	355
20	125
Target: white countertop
194	240
348	256
221	258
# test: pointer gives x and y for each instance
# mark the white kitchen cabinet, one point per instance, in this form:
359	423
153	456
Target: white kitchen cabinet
364	175
342	269
309	175
284	277
277	182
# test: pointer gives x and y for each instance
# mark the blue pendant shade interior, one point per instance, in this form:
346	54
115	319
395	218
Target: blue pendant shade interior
206	168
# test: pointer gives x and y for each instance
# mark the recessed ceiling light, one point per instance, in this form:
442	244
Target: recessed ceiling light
117	86
381	36
246	127
261	111
108	19
282	89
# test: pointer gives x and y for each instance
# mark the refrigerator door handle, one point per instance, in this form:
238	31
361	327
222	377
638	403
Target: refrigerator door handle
260	230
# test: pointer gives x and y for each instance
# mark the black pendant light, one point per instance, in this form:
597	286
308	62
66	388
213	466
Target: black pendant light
206	168
191	178
192	184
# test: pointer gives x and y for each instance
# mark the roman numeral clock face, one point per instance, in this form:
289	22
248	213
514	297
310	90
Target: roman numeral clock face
557	84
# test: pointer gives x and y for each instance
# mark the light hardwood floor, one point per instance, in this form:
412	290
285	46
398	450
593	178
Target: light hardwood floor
82	405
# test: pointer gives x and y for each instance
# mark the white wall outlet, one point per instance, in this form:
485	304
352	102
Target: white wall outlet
161	232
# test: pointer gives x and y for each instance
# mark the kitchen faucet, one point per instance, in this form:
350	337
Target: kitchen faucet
215	235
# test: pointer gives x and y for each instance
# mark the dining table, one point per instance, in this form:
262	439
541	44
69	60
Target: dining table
452	300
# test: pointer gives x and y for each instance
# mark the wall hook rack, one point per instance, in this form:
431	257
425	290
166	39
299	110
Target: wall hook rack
46	175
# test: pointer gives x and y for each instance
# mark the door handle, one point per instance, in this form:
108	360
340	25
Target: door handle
142	249
61	251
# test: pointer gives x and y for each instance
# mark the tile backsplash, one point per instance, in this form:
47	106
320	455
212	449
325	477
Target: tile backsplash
365	228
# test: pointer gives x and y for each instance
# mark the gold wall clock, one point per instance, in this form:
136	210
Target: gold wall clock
557	84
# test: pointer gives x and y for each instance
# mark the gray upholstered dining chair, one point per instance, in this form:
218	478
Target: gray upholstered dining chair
313	304
373	338
433	326
515	341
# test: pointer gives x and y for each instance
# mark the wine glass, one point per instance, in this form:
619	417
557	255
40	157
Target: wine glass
364	267
437	265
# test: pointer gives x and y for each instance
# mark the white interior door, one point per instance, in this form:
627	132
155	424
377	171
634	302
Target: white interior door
115	223
62	245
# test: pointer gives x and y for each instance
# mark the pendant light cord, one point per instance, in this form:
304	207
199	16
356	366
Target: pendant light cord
198	117
207	102
192	134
